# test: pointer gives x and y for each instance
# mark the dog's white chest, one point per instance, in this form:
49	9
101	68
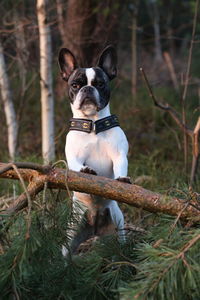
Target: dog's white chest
95	151
92	150
97	156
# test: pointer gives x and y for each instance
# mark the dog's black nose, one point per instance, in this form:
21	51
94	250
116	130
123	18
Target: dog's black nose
87	89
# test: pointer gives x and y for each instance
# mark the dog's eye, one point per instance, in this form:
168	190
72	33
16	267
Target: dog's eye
100	84
75	86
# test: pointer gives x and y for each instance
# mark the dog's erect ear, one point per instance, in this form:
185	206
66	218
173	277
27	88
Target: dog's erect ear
108	62
67	63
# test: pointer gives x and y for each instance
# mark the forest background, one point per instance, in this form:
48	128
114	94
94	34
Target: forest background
160	38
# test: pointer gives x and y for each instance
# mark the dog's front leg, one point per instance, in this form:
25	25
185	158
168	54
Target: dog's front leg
120	168
77	163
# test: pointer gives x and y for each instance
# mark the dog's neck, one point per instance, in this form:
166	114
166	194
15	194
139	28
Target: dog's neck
105	112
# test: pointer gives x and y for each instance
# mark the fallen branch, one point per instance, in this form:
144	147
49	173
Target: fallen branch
105	187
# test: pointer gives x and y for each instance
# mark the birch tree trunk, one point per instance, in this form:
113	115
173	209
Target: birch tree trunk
11	120
47	101
22	51
152	6
134	49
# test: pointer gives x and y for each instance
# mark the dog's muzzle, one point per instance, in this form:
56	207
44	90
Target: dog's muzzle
89	96
88	101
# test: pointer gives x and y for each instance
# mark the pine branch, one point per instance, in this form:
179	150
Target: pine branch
180	255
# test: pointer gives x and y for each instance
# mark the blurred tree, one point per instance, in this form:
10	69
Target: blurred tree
21	46
61	20
47	100
134	12
90	25
11	121
154	14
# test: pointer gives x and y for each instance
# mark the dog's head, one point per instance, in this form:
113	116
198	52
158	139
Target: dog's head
88	88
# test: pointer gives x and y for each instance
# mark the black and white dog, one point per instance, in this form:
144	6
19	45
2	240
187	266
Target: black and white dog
95	143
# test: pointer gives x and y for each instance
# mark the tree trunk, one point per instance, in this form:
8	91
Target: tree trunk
171	69
22	52
105	187
61	21
196	152
47	101
8	106
155	17
134	50
92	24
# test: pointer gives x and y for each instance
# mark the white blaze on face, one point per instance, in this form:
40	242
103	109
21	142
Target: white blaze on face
90	74
87	109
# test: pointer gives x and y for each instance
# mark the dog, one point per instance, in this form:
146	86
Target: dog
95	143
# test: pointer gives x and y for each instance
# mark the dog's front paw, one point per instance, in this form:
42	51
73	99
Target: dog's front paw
124	179
88	170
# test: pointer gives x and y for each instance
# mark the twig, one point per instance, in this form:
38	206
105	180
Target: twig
187	81
165	107
172	72
120	263
190	53
28	199
196	151
178	218
22	201
66	176
25	165
188	245
174	132
62	131
4	201
193	134
44	196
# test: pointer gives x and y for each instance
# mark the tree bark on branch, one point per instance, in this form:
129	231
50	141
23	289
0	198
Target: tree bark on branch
132	194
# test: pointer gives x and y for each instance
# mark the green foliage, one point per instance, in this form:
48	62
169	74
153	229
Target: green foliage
170	269
32	266
162	263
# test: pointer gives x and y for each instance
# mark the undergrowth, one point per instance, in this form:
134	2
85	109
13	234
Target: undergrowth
160	262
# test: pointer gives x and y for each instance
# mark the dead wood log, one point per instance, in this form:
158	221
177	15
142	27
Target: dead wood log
132	194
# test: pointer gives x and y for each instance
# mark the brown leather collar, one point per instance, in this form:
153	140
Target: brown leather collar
88	126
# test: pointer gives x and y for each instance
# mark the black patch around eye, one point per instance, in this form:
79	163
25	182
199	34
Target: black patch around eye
78	77
76	85
100	75
101	84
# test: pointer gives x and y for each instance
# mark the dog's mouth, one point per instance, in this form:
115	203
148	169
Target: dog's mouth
89	106
88	101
